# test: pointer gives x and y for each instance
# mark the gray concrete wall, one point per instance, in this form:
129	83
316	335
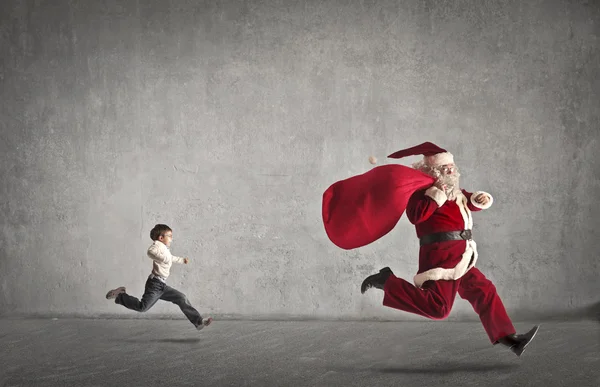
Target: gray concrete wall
228	121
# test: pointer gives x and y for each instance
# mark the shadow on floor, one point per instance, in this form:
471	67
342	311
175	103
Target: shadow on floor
179	341
450	368
437	369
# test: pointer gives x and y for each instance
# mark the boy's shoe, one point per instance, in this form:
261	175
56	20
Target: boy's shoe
205	322
115	292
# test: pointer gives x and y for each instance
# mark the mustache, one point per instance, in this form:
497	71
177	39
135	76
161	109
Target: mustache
450	182
449	179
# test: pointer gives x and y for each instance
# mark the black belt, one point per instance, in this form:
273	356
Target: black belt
446	236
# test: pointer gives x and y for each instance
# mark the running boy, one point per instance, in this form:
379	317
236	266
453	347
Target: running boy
156	286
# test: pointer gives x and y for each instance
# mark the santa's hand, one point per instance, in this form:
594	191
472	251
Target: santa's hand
186	260
482	199
441	186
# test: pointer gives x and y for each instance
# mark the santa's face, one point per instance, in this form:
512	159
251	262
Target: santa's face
448	169
449	177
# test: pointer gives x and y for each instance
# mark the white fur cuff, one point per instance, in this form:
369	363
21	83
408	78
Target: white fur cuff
436	194
483	207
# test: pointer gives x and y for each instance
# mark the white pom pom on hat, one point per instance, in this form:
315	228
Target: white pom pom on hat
433	155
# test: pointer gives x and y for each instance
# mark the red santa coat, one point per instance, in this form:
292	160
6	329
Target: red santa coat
431	212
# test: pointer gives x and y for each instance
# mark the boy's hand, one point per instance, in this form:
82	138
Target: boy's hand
186	260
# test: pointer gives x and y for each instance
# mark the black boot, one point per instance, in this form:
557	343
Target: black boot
376	280
517	343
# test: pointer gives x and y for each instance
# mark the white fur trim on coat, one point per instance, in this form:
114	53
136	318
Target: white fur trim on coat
483	207
436	194
461	201
455	273
439	159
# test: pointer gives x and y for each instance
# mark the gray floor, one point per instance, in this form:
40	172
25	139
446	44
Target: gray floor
145	352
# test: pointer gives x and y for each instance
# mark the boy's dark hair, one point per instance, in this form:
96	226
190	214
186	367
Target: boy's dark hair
158	230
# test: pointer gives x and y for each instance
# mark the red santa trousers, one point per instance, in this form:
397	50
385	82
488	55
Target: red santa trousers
436	298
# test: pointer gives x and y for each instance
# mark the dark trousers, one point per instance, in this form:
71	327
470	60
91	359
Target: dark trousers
157	290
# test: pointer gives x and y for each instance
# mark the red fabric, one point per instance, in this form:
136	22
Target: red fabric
361	209
425	149
435	300
429	218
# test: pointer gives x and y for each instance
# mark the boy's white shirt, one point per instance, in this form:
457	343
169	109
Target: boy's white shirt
162	259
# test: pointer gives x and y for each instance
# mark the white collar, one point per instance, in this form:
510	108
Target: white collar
159	243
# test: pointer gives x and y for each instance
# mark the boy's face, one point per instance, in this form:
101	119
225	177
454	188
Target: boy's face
166	238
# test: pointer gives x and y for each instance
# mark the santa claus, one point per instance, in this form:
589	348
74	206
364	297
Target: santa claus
363	208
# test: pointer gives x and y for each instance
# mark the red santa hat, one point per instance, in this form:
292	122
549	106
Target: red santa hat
433	155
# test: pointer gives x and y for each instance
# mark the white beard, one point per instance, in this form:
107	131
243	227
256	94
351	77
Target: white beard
452	185
450	181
